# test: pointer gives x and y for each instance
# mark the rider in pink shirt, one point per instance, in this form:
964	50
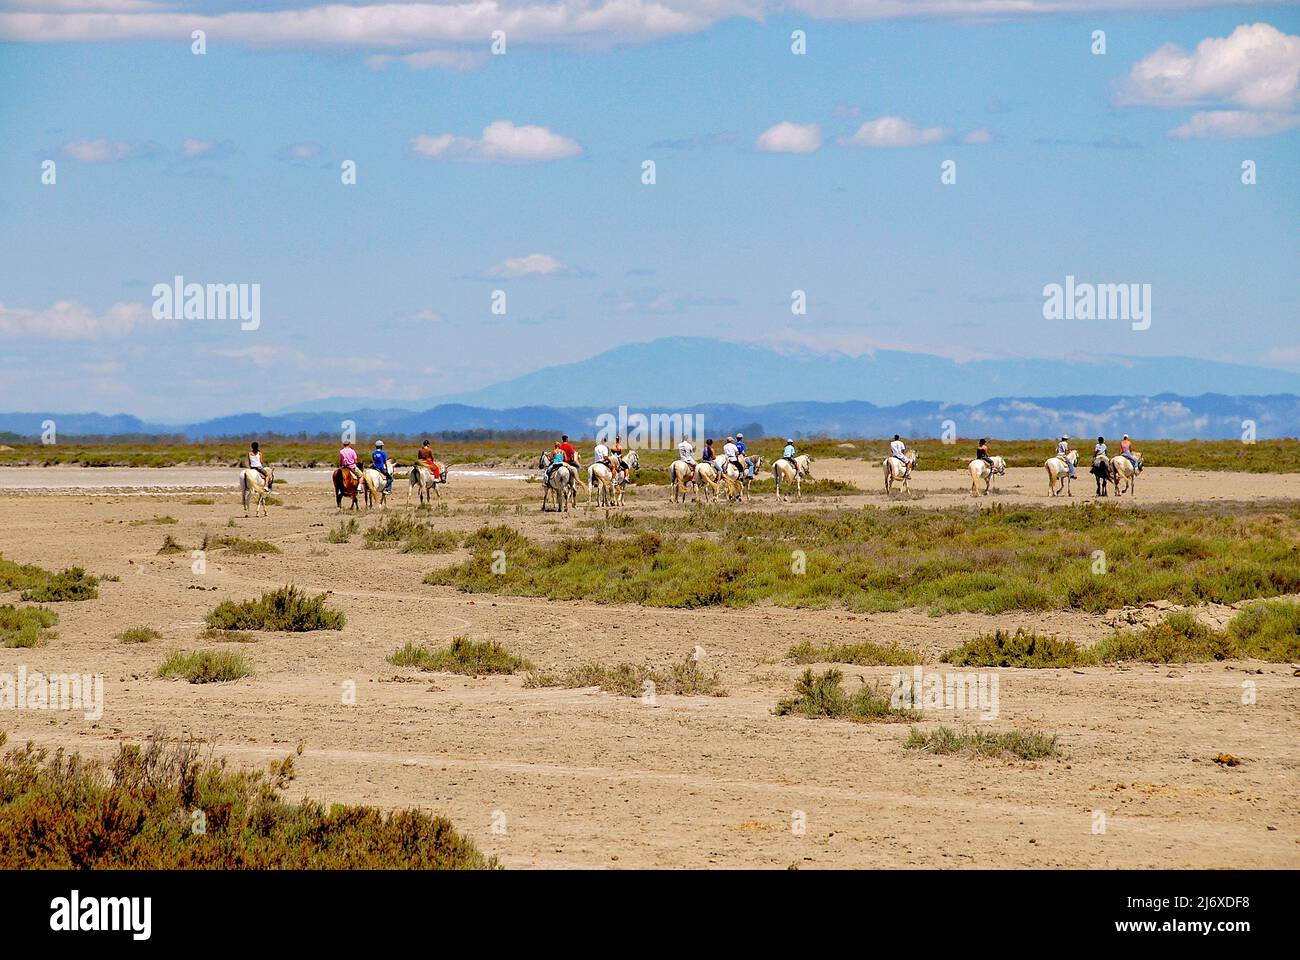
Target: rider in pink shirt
348	459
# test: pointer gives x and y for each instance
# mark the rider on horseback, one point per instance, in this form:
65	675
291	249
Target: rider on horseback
425	457
1063	451
687	454
1101	466
557	459
255	462
1126	451
730	452
898	450
740	453
601	455
708	456
982	452
348	460
570	455
380	460
788	454
616	452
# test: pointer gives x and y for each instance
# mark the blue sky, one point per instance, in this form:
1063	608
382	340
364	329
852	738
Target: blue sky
225	168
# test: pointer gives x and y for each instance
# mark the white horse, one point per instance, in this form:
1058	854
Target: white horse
623	477
1058	472
423	482
980	470
602	484
376	485
563	482
896	471
1121	468
252	485
681	476
784	472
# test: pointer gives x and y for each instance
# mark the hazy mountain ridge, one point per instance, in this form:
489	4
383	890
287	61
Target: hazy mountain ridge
1165	416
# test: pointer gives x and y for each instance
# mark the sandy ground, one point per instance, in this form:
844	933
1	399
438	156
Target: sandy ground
580	778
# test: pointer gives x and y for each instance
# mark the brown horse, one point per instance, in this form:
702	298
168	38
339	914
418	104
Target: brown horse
347	485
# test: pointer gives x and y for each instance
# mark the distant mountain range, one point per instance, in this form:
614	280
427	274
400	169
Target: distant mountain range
685	372
874	395
1164	416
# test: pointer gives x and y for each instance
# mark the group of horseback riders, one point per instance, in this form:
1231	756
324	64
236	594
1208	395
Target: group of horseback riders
611	455
379	460
734	450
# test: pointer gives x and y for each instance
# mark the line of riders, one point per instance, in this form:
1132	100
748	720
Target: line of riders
612	466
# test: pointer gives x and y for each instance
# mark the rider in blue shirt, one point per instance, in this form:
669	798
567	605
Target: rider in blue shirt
381	464
740	449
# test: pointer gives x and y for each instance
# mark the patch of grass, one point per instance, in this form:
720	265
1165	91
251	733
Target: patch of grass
162	520
287	608
865	654
227	636
25	626
1267	631
41	585
139	635
1014	744
65	812
200	502
169	545
205	666
822	695
343	532
414	537
875	560
241	546
1179	638
685	678
462	656
1024	648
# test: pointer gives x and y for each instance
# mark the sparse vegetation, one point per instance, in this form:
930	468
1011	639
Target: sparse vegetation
287	608
462	656
1024	648
865	654
25	626
822	695
414	537
162	520
240	546
205	666
137	812
1267	631
228	636
169	545
42	586
873	560
343	532
1014	744
685	678
1179	638
200	502
139	635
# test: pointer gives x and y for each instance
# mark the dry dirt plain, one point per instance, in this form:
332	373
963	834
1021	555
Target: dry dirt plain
581	778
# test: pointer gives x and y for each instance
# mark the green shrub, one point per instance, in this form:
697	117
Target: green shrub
1024	648
1018	744
462	656
169	545
139	635
1267	631
1179	638
287	608
25	626
205	666
823	696
865	654
343	532
240	546
685	678
137	813
227	636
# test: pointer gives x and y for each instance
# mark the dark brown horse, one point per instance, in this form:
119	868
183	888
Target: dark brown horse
347	485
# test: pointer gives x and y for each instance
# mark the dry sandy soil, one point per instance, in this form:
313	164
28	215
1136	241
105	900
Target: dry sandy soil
581	778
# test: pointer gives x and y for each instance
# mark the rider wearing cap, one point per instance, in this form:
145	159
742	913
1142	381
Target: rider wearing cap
788	453
381	464
1126	451
1063	451
740	452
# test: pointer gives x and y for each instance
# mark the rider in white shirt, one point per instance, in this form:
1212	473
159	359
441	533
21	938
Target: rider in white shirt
1063	451
687	453
601	454
898	449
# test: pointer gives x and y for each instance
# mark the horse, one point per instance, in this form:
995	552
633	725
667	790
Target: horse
1101	470
601	475
562	481
1121	468
346	484
784	472
980	470
253	484
747	476
896	471
1058	474
423	481
681	476
630	461
730	473
376	485
708	479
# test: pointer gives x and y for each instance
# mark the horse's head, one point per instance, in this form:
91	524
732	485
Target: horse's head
999	465
543	461
632	460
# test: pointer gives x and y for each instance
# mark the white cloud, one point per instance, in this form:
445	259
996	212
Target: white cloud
786	137
894	132
458	60
70	320
1234	125
1257	67
301	152
397	25
102	150
196	148
540	264
502	142
981	135
991	9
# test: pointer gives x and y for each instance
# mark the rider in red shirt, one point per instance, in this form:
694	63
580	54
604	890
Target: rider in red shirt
570	455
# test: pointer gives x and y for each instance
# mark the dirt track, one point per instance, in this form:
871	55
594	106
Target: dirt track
585	778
